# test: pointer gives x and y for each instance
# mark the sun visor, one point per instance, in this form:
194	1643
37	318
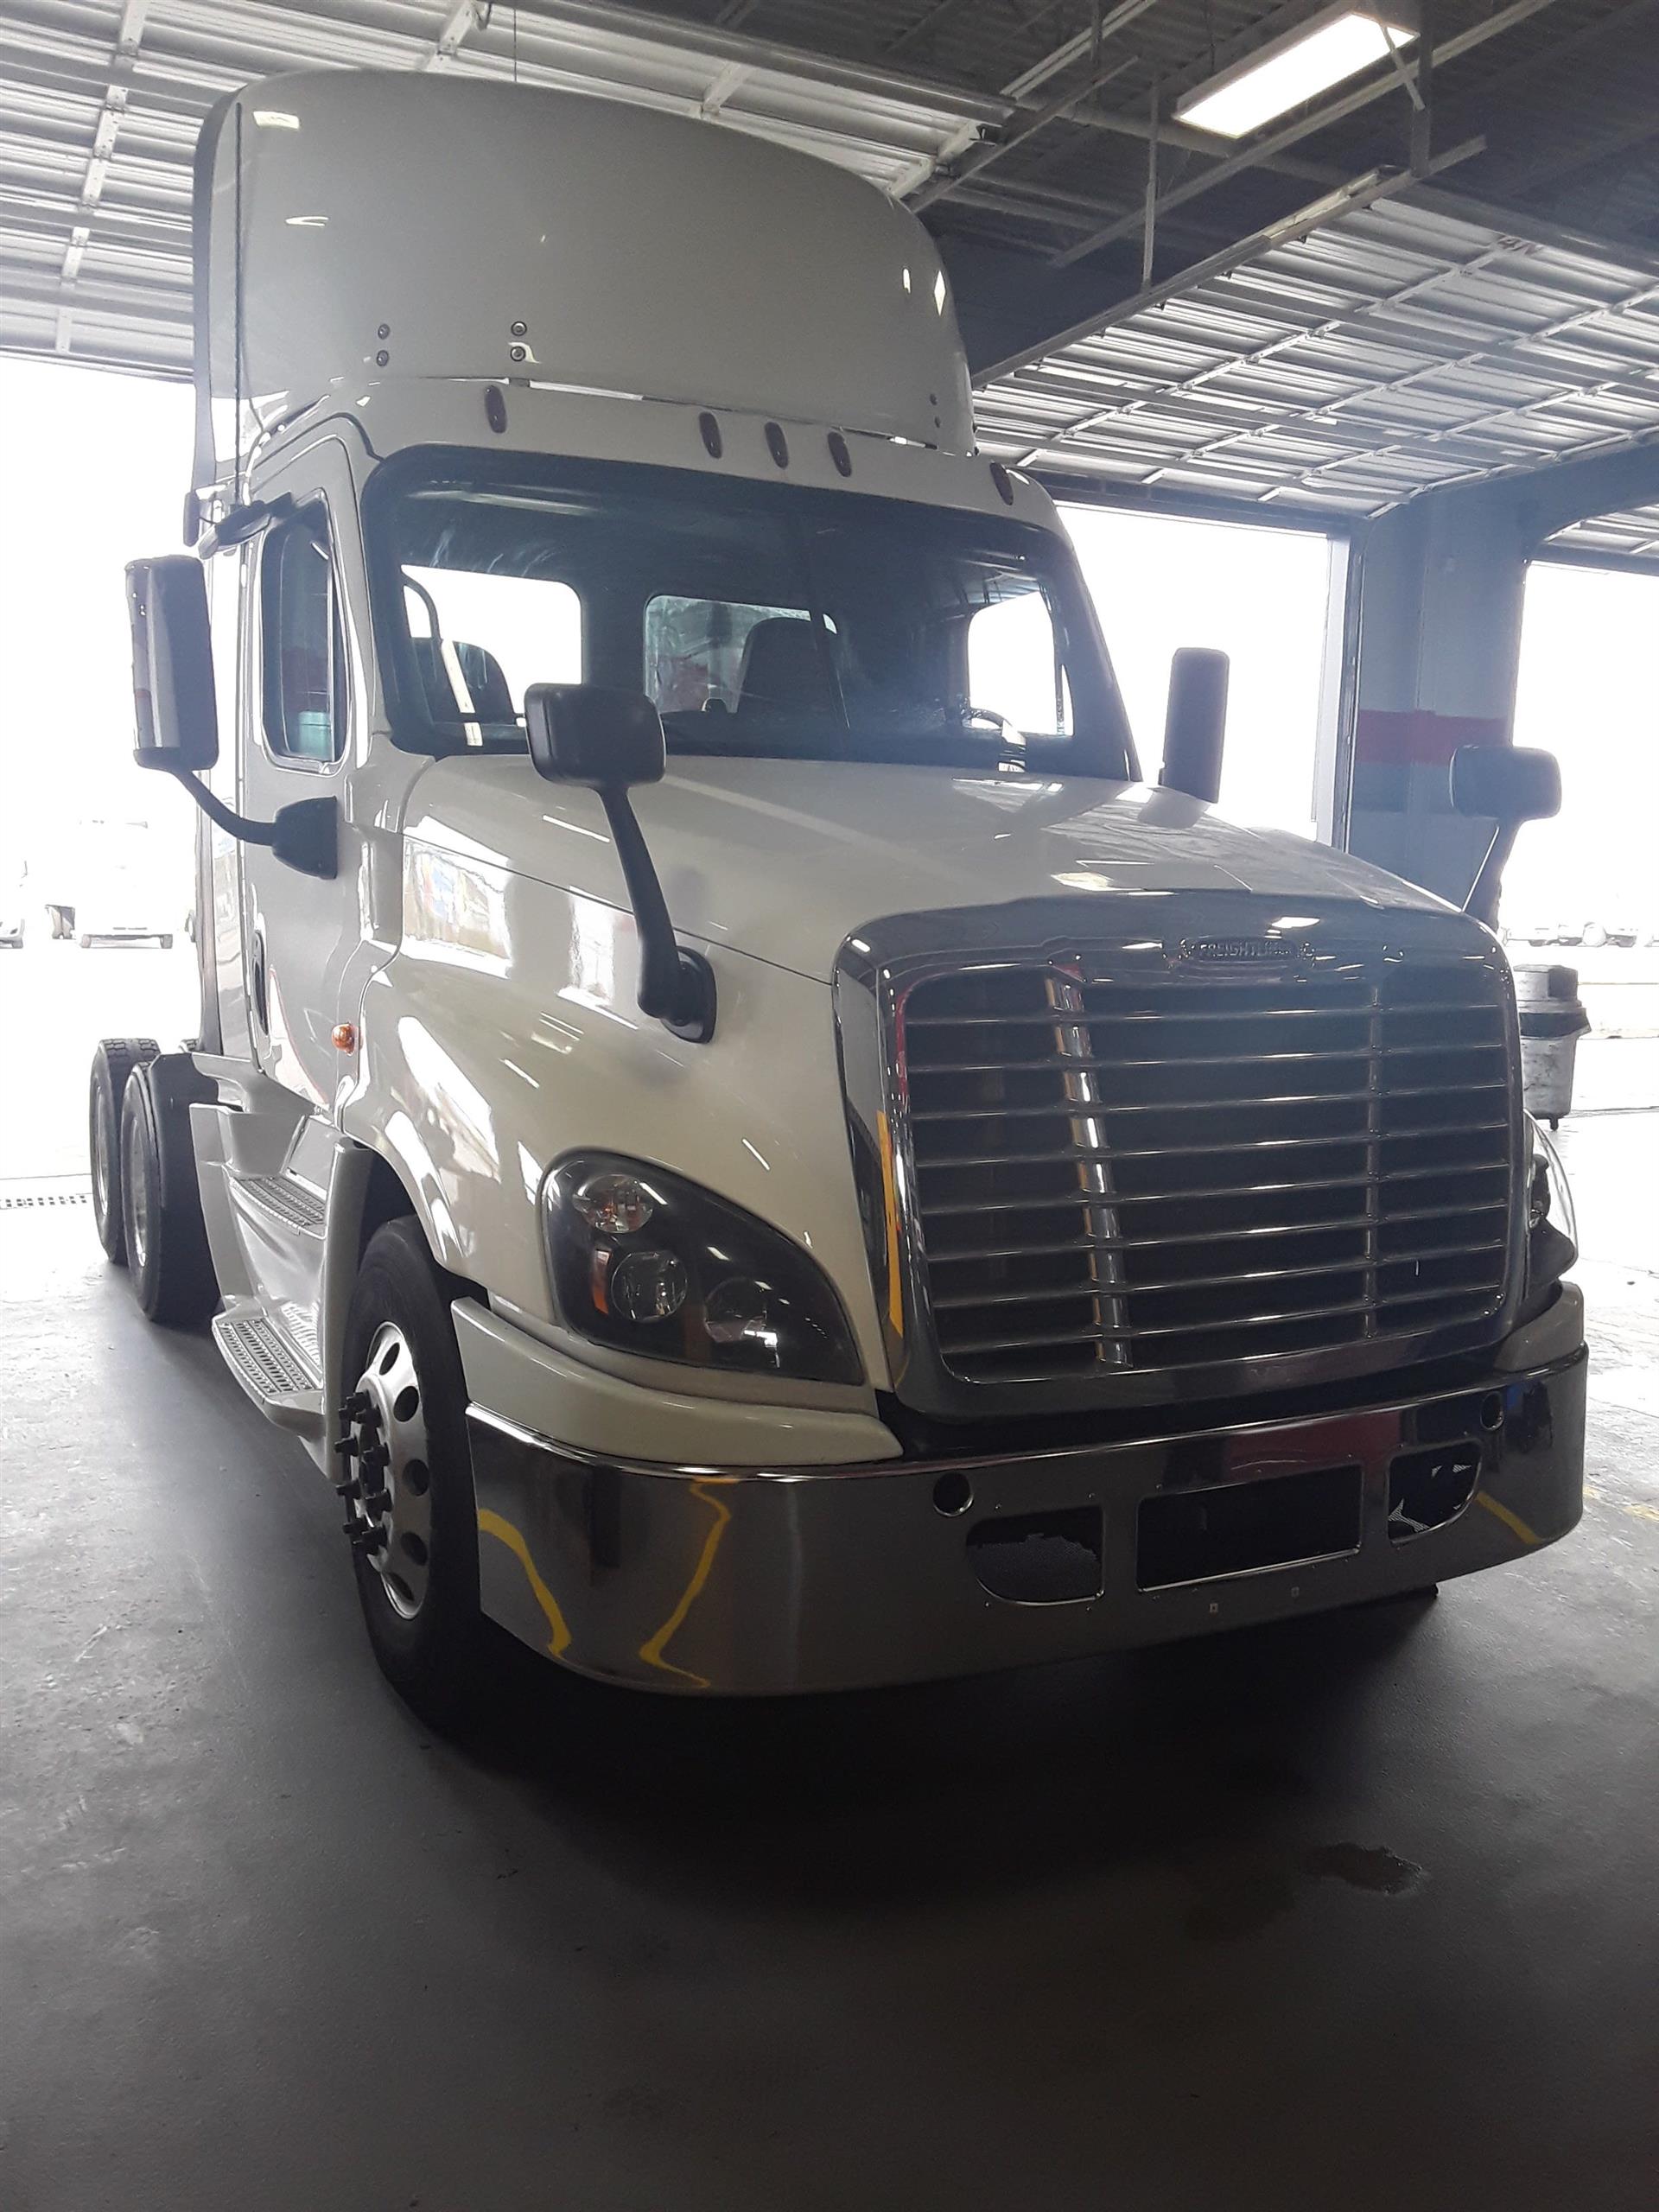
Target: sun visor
354	226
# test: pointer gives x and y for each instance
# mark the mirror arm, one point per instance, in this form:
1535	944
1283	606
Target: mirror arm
1482	901
240	524
234	825
305	836
677	987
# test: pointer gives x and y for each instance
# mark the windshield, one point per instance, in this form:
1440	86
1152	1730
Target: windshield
767	620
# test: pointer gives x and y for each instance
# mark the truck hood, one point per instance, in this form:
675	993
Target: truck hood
785	860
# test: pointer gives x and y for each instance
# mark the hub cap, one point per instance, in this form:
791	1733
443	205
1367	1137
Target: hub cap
387	1477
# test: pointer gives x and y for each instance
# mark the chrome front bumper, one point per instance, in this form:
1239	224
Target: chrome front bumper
747	1581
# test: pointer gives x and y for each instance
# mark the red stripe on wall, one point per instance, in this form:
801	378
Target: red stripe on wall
1417	737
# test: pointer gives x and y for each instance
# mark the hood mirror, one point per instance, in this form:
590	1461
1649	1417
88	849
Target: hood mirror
1506	785
1195	722
609	741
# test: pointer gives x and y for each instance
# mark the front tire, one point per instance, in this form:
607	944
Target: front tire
407	1478
168	1258
112	1063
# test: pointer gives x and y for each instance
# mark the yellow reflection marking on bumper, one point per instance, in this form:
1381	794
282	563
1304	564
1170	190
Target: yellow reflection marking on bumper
651	1650
890	1199
1512	1521
492	1524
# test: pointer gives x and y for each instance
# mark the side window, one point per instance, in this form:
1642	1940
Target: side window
481	639
305	655
1014	667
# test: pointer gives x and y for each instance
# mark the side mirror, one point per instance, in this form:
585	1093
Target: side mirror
172	665
1506	785
581	733
1195	722
610	740
178	720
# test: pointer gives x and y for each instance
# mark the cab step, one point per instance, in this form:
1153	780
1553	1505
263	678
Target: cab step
278	1375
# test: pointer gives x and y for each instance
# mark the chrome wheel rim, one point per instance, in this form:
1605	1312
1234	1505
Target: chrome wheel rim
391	1509
137	1181
101	1157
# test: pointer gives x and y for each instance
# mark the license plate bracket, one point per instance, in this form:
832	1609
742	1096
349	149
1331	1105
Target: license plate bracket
1207	1536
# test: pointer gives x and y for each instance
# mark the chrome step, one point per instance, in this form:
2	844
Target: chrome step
295	1204
271	1367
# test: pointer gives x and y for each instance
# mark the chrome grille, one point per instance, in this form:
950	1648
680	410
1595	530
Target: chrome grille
1152	1170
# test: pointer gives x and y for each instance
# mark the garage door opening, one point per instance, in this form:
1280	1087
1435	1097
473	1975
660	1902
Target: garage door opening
1265	598
1581	890
96	877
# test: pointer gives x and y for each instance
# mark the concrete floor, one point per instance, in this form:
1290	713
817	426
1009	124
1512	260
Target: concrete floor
1357	1912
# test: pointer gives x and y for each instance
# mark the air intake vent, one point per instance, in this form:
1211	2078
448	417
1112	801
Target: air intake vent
1167	1168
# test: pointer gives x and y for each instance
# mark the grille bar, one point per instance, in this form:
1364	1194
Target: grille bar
1048	1294
948	1255
925	1021
1053	1227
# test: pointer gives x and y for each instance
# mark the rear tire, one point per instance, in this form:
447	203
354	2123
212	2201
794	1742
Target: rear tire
411	1515
168	1258
166	943
112	1063
85	941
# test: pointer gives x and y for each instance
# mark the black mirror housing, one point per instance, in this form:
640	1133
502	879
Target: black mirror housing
177	720
1505	783
583	734
1195	722
610	740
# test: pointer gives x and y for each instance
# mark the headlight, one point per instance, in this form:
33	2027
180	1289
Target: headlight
1551	1225
650	1263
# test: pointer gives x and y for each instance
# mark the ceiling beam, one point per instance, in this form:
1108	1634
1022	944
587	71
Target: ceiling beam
129	35
946	177
1321	119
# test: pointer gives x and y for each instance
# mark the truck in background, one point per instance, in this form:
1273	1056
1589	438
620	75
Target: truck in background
112	880
750	1145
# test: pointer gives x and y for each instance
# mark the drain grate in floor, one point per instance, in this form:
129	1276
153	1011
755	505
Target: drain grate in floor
17	1201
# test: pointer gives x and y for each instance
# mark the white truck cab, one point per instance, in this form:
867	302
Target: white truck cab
756	1151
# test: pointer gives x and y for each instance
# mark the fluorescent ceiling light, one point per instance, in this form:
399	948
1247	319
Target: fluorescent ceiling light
1296	69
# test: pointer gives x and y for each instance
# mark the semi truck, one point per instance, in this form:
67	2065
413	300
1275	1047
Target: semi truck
754	1149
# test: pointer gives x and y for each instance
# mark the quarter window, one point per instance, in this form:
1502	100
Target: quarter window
305	657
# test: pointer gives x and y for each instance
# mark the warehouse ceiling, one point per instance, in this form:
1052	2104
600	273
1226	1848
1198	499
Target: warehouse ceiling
1297	319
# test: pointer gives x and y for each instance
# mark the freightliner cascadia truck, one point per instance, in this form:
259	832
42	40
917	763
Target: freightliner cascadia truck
755	1152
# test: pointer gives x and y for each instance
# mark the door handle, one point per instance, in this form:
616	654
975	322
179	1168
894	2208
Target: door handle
260	1002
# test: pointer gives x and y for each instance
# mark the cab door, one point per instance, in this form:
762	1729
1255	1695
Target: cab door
306	939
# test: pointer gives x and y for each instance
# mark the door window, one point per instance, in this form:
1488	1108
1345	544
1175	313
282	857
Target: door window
305	655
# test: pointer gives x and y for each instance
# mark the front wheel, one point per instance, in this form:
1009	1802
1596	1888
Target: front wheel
407	1479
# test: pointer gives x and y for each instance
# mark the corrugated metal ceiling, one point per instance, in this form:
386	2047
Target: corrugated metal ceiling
1406	344
1403	343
